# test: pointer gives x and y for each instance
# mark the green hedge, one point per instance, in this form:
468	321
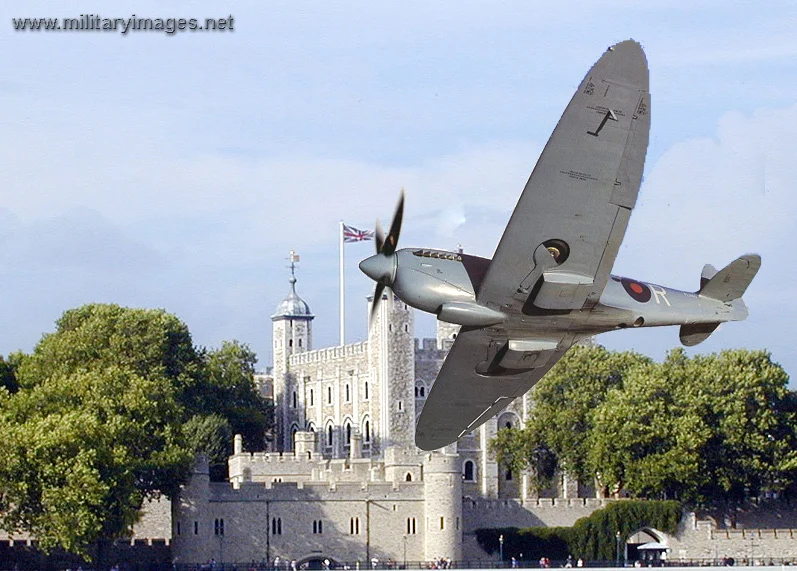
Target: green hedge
592	538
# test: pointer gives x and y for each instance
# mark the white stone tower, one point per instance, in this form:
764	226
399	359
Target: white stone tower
443	506
391	360
292	329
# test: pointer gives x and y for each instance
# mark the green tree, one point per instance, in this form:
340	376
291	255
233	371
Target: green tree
646	438
711	430
81	452
231	393
110	410
8	372
563	402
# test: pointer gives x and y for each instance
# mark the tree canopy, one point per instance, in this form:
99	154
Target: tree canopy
708	430
109	410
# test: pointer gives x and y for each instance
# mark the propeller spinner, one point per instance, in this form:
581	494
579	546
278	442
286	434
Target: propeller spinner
382	266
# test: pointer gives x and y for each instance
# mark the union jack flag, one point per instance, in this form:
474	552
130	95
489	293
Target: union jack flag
351	234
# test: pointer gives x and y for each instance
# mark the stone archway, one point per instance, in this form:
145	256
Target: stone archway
317	561
648	545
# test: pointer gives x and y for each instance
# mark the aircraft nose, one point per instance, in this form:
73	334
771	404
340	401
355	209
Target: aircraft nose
379	268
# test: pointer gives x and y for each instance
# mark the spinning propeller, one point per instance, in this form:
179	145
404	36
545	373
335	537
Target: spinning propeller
382	267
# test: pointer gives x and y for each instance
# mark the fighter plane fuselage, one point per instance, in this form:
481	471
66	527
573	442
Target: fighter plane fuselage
432	280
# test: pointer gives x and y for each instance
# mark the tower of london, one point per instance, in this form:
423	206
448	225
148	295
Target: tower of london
343	480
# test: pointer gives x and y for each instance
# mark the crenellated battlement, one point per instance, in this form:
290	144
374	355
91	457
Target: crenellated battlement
537	503
329	354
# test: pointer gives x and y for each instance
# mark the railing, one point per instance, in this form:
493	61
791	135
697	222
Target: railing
762	564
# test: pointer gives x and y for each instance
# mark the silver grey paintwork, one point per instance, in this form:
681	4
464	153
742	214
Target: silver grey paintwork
549	283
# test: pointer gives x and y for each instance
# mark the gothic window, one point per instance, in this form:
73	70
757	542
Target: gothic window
294	430
367	431
329	436
469	471
348	434
408	477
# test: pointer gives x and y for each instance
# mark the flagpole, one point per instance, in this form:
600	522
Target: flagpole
342	294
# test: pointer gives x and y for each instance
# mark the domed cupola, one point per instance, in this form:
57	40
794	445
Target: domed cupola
293	306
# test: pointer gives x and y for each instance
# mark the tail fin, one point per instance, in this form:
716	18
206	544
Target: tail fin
731	281
708	272
727	285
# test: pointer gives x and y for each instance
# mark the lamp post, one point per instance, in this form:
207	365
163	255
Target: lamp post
617	535
501	548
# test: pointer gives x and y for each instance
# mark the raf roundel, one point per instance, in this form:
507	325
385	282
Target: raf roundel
637	290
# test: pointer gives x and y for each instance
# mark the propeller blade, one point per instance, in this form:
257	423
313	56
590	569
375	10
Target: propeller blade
395	228
375	305
379	236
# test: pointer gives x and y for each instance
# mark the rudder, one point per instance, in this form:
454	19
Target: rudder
731	281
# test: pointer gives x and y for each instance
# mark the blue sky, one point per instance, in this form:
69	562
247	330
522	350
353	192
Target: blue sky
177	171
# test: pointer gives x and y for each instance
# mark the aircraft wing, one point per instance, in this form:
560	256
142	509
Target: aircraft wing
461	400
579	197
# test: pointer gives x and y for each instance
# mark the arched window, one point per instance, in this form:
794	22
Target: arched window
423	392
294	399
329	395
329	435
408	477
469	471
417	392
366	391
348	434
367	431
348	393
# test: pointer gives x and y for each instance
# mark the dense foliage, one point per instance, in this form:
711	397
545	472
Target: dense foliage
591	538
108	410
708	430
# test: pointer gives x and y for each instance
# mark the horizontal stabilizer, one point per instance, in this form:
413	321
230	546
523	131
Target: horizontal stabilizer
732	280
696	333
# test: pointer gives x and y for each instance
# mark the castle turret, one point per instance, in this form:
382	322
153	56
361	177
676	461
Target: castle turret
292	333
391	359
443	506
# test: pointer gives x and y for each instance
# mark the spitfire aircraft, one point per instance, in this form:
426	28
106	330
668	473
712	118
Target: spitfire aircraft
549	283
